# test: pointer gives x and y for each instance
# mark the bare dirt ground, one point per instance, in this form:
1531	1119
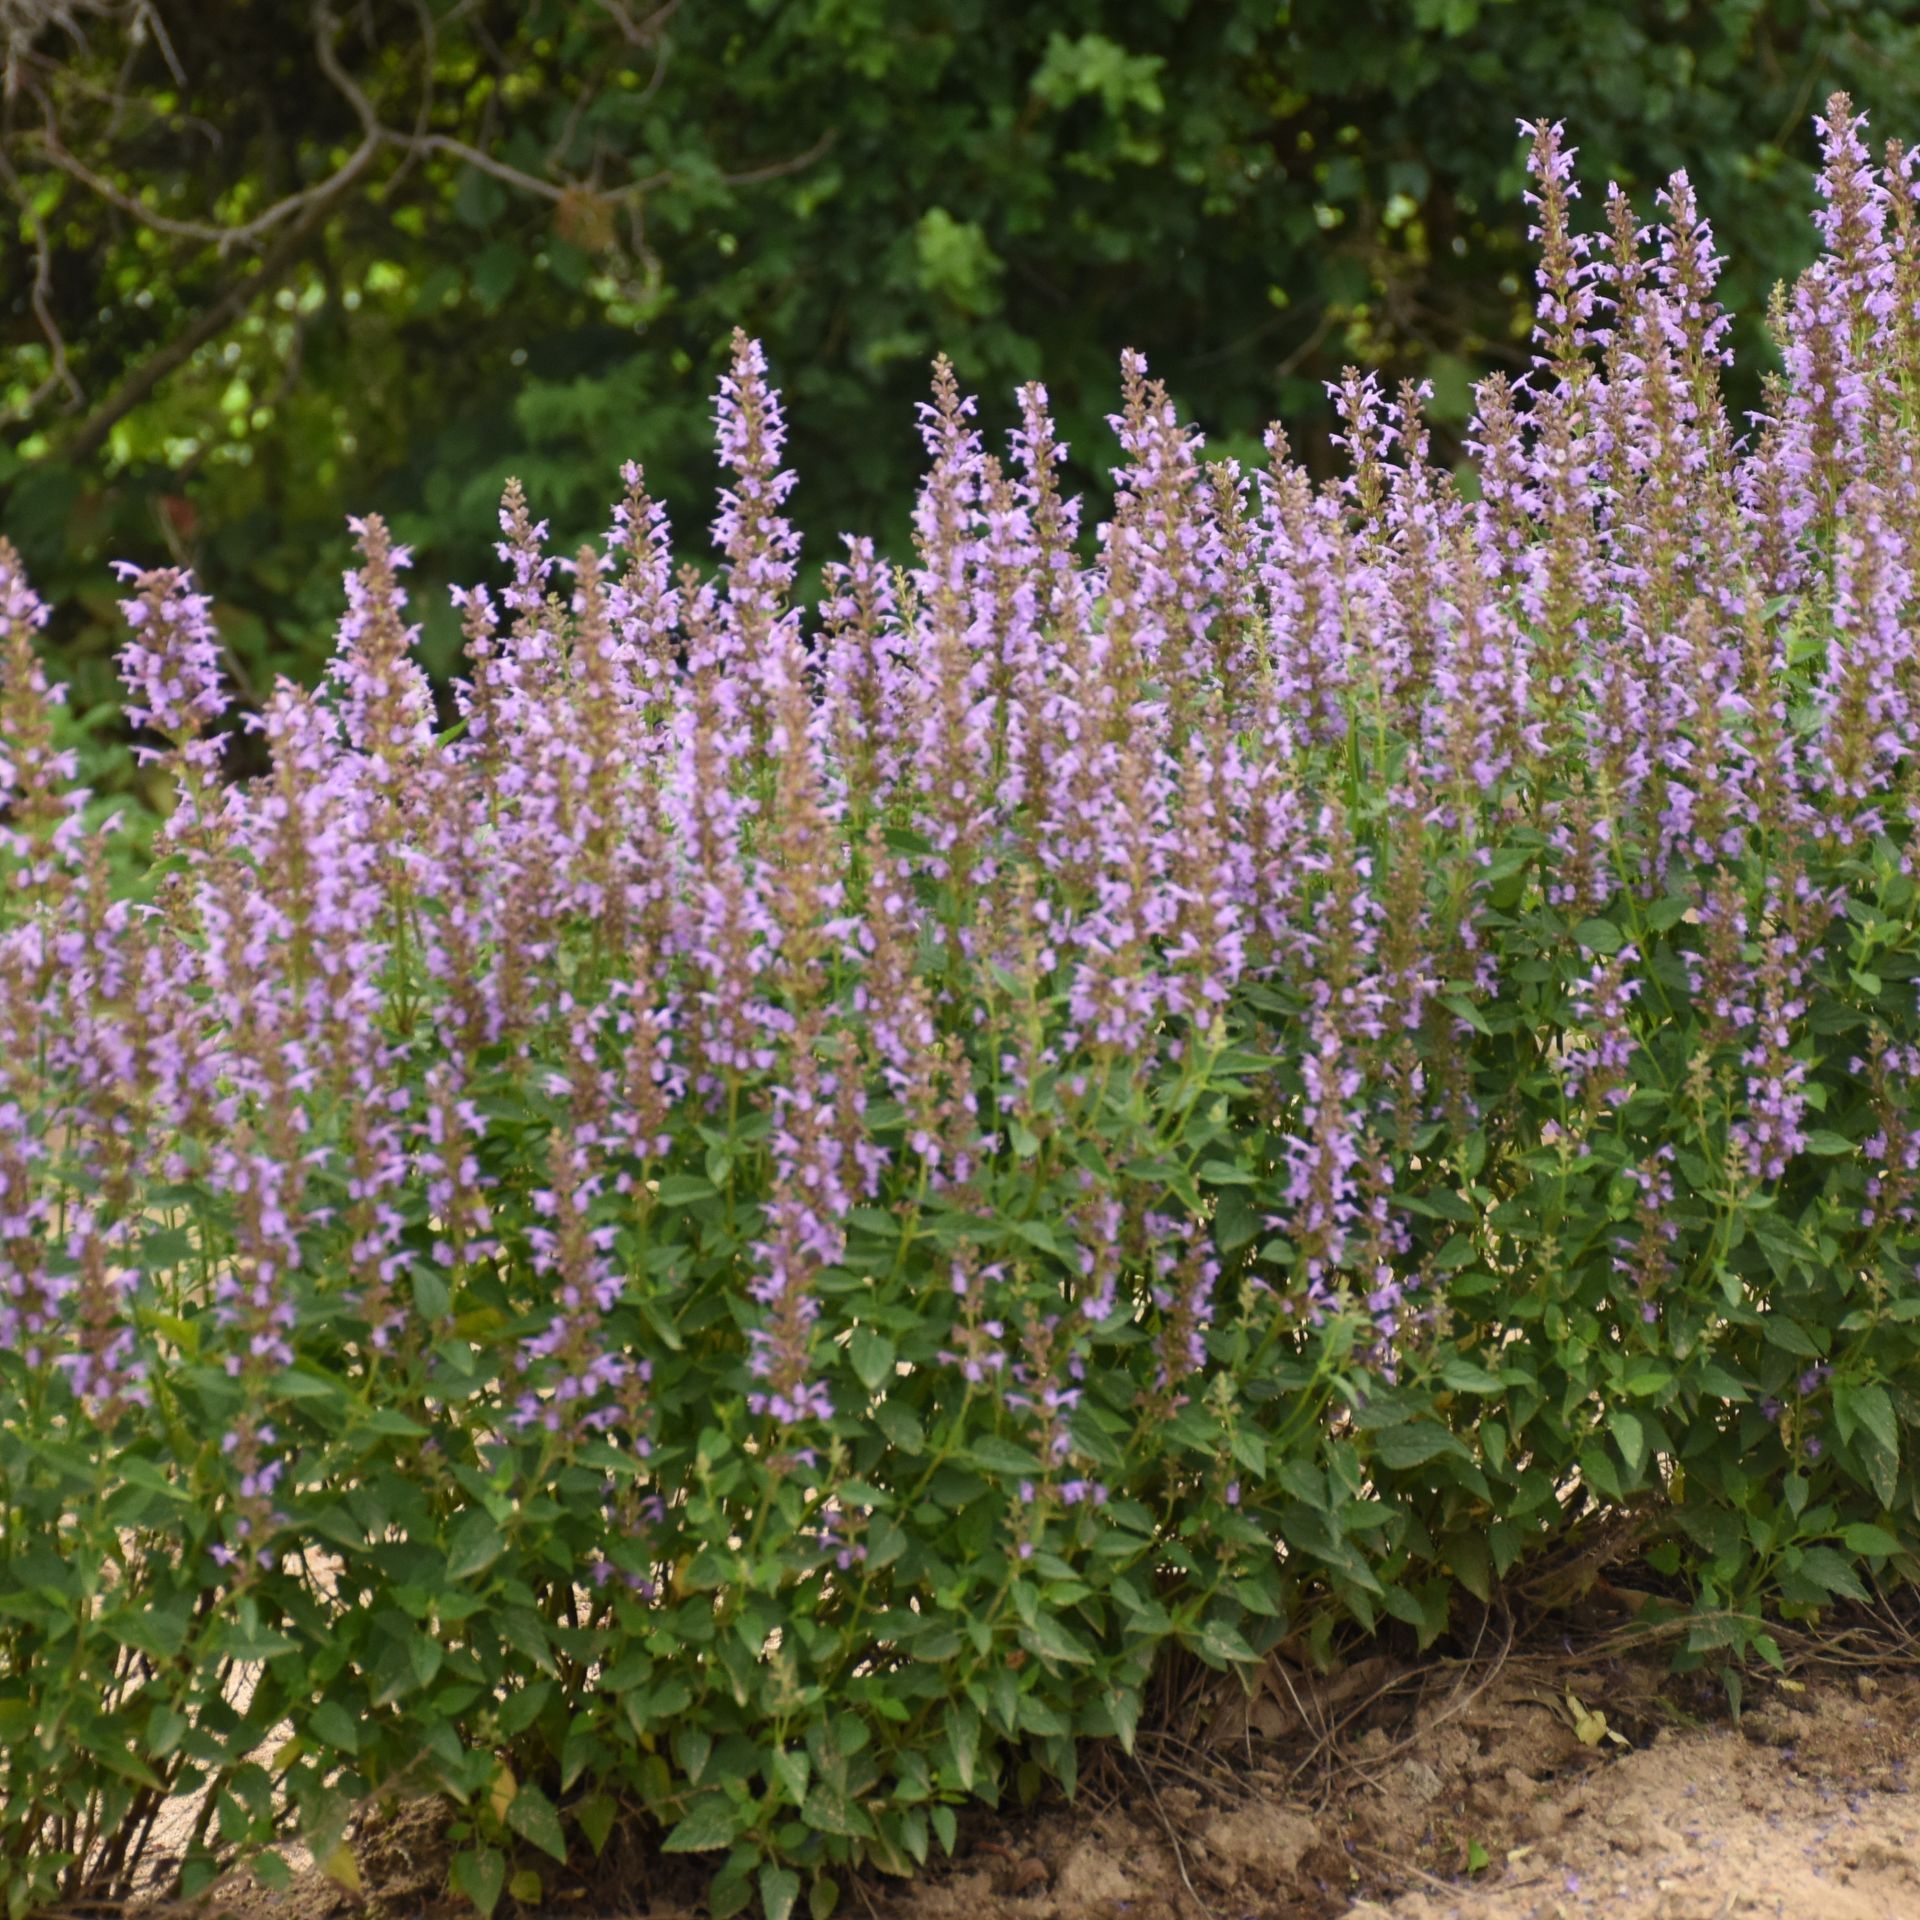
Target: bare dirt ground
1545	1786
1489	1805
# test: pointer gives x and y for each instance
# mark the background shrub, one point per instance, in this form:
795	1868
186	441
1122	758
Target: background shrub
533	264
761	1229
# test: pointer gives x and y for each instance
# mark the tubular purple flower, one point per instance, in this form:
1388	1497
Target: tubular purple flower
172	665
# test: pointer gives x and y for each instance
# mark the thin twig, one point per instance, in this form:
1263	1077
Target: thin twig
1173	1839
59	374
1400	1865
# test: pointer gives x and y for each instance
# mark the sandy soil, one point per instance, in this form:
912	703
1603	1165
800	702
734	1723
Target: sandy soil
1807	1813
1546	1788
1492	1807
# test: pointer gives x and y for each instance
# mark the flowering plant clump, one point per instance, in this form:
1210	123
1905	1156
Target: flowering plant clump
754	1233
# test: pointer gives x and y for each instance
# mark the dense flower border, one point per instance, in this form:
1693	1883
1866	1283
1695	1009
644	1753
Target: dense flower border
760	1229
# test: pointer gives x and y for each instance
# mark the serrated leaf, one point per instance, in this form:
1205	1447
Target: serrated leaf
1870	1407
1828	1571
1883	1469
1226	1645
1048	1636
828	1810
779	1889
709	1824
474	1545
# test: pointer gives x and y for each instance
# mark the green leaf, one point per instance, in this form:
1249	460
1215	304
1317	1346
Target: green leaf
1869	1407
1223	1173
1883	1469
1220	1644
1040	1234
480	1875
1599	936
331	1722
710	1823
474	1545
495	272
901	1427
1413	1445
1467	1556
533	1817
963	1740
779	1889
1631	1438
1783	1331
791	1767
1464	1377
828	1810
594	1816
1828	1570
391	1424
1048	1636
873	1356
1000	1455
1828	1144
730	1891
431	1297
1871	1542
683	1189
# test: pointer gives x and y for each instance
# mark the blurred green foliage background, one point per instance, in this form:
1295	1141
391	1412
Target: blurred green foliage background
267	263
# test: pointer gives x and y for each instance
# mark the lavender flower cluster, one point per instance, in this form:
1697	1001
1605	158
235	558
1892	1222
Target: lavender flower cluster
716	932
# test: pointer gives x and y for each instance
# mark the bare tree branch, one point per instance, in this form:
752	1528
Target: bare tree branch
373	138
525	182
638	32
59	374
779	169
285	227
